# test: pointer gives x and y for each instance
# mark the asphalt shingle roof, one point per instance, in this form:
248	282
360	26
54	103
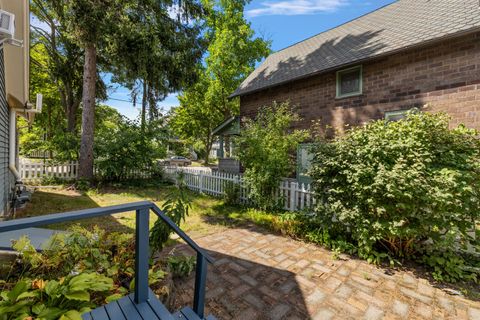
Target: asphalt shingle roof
400	25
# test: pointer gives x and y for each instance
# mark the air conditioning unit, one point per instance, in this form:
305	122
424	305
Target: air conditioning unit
7	25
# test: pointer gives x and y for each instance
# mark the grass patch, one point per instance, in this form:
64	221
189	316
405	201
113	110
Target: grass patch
56	200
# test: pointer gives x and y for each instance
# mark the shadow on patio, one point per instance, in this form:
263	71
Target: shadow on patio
260	275
243	289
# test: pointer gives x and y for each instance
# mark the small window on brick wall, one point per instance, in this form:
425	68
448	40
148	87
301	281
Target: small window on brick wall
349	82
398	114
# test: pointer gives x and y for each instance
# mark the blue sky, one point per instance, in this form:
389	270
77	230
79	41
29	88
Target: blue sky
284	22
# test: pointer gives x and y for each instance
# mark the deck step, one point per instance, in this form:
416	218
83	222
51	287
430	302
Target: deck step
188	314
126	309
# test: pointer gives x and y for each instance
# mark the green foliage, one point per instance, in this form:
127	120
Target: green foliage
231	193
233	51
64	62
77	271
176	207
130	39
449	266
78	251
82	184
181	266
178	148
156	54
65	299
265	148
123	146
401	189
48	133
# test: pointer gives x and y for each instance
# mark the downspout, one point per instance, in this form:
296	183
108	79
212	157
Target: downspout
12	134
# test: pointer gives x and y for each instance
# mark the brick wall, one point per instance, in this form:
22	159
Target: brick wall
446	76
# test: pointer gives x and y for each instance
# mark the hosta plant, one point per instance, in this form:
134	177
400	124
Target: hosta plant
64	299
77	271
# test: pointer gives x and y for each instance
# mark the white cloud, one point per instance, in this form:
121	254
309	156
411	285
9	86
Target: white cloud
295	7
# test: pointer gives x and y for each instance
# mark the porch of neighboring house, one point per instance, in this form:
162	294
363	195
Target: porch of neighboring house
225	153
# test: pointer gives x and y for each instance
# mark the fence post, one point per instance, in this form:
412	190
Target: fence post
293	195
200	182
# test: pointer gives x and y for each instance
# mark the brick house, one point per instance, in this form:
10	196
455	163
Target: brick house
407	54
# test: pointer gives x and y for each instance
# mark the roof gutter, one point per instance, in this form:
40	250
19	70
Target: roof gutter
381	55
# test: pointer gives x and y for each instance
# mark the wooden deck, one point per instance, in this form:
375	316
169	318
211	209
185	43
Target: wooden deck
126	309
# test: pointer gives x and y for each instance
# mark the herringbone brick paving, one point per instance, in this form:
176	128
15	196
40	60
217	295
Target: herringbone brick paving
266	276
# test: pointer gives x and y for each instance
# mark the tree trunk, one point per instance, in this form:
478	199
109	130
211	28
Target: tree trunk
152	105
85	169
72	118
208	148
72	103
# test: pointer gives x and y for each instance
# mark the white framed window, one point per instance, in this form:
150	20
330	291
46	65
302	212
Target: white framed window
349	82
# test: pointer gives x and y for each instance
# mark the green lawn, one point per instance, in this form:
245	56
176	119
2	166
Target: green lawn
204	217
208	215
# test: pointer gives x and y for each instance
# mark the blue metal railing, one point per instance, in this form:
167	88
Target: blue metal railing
141	243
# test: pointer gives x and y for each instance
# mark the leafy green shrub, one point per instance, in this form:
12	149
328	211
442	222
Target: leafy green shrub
176	207
181	266
48	181
231	194
124	147
83	184
401	189
265	148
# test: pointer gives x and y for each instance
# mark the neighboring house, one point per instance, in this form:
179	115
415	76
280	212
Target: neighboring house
226	132
407	54
215	150
14	99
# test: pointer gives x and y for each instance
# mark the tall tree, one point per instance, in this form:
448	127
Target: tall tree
151	63
65	58
195	119
90	23
100	27
233	51
48	132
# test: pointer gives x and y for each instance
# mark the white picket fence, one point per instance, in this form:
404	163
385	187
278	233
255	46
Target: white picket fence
36	171
294	196
32	172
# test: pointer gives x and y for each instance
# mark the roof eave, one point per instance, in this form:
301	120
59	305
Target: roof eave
223	125
381	55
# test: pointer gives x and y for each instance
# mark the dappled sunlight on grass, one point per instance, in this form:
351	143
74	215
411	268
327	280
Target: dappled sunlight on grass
55	200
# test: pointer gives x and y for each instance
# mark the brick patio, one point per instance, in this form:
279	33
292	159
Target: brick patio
265	276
